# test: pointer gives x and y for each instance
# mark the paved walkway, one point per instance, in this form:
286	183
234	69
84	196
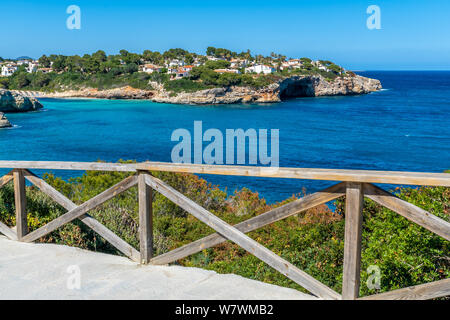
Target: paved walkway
48	271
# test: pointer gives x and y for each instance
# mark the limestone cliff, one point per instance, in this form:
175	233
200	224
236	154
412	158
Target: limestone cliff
291	87
116	93
14	102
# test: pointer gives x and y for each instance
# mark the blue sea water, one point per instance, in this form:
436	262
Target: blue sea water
405	127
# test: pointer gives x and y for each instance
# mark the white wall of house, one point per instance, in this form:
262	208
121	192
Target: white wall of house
8	71
260	68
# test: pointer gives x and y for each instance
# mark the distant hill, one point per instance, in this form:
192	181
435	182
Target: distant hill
24	58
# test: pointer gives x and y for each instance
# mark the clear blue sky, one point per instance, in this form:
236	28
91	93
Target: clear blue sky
415	34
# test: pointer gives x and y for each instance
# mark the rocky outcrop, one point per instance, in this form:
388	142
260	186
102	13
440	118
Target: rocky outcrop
220	96
4	123
291	87
116	93
296	86
315	86
14	102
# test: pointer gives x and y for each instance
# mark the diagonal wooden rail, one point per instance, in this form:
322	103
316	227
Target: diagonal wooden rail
356	185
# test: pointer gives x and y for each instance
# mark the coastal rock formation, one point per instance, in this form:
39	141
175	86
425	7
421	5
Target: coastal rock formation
290	87
116	93
219	96
14	102
296	86
4	123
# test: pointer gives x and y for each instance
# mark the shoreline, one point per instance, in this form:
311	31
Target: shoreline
285	89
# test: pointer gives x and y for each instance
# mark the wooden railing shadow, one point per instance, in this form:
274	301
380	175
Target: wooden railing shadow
355	185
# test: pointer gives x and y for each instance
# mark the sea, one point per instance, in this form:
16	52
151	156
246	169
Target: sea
404	127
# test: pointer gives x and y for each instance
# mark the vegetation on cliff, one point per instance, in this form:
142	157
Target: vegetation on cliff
406	253
218	68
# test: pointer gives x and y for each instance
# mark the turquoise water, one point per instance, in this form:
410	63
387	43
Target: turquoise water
404	127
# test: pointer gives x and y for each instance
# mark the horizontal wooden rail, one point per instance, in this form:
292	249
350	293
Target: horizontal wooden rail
64	165
368	176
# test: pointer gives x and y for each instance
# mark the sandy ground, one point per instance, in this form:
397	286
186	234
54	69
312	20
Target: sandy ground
47	271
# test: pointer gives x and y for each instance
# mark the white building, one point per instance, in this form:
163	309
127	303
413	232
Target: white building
150	68
260	68
320	66
32	67
239	63
8	70
176	63
181	73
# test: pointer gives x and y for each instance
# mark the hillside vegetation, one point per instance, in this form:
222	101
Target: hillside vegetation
102	71
313	241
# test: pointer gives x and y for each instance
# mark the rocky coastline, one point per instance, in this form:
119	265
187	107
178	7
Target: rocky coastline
4	123
11	101
289	87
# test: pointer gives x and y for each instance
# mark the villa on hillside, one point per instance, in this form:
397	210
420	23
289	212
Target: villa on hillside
150	68
32	67
175	63
260	68
320	66
8	70
238	63
187	68
181	73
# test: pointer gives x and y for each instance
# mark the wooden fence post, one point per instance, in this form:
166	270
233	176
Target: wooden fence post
21	204
145	219
354	202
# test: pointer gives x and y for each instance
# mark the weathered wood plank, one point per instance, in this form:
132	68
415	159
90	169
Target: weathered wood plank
82	209
94	224
409	211
5	179
21	204
368	176
426	291
250	245
391	177
354	202
63	165
145	219
287	210
7	231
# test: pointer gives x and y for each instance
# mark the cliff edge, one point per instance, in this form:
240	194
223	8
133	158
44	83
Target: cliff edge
286	88
291	87
14	102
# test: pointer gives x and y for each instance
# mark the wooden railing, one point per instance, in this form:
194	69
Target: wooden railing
353	184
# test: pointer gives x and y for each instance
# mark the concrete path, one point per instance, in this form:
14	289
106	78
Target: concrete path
48	271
